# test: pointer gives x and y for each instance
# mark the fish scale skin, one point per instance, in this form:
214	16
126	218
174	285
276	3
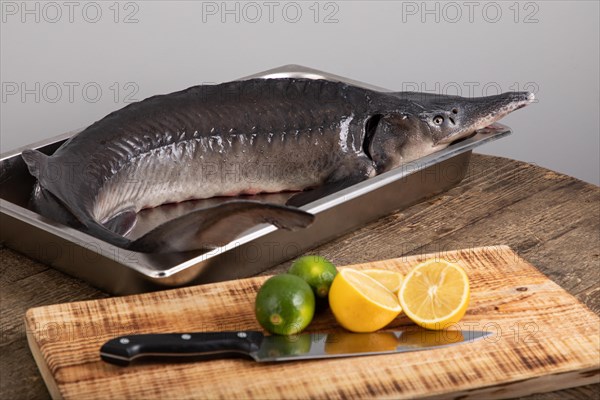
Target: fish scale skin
133	157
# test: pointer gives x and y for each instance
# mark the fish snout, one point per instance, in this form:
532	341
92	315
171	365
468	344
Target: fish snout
493	108
490	109
503	105
519	99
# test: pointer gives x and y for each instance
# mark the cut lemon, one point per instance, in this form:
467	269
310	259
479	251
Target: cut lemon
360	303
435	294
390	279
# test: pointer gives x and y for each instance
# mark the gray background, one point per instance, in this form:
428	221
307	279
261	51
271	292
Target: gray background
65	66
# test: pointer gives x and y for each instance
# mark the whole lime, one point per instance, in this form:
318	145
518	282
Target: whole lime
317	271
284	305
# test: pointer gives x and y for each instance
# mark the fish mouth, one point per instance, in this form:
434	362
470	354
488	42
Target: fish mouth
488	111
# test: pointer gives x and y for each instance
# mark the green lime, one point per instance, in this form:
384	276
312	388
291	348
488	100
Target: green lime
285	305
317	271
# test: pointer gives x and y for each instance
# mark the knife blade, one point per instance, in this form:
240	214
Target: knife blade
125	349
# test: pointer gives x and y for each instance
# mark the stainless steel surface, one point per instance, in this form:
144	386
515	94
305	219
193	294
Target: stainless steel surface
120	271
314	345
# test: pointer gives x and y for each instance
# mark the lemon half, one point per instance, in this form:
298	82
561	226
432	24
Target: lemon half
435	294
360	303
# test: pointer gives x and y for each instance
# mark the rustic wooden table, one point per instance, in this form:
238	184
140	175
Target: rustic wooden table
550	219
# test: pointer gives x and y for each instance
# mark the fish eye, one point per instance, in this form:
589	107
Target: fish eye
438	120
454	111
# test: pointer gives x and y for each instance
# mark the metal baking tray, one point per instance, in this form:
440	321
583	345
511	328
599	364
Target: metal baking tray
120	271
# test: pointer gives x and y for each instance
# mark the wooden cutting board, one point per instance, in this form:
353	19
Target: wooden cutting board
542	339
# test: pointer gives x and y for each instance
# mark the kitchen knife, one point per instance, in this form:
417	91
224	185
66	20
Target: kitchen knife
123	350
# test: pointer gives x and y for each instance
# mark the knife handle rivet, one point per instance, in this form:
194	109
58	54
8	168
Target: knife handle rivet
124	340
242	334
186	336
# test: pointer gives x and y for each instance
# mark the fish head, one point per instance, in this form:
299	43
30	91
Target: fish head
393	139
426	123
450	118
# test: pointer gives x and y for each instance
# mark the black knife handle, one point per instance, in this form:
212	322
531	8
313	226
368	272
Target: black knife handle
124	349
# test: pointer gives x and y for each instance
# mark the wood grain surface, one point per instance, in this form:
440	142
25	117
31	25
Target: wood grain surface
550	219
539	334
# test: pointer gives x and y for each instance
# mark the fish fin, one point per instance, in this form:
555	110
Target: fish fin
216	226
122	223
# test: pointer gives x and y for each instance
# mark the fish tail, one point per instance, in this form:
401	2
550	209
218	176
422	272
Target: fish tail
48	177
37	163
52	176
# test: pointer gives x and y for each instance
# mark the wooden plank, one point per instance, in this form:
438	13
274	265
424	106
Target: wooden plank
543	339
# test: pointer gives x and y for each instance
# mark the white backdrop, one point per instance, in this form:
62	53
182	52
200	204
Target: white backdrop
65	64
